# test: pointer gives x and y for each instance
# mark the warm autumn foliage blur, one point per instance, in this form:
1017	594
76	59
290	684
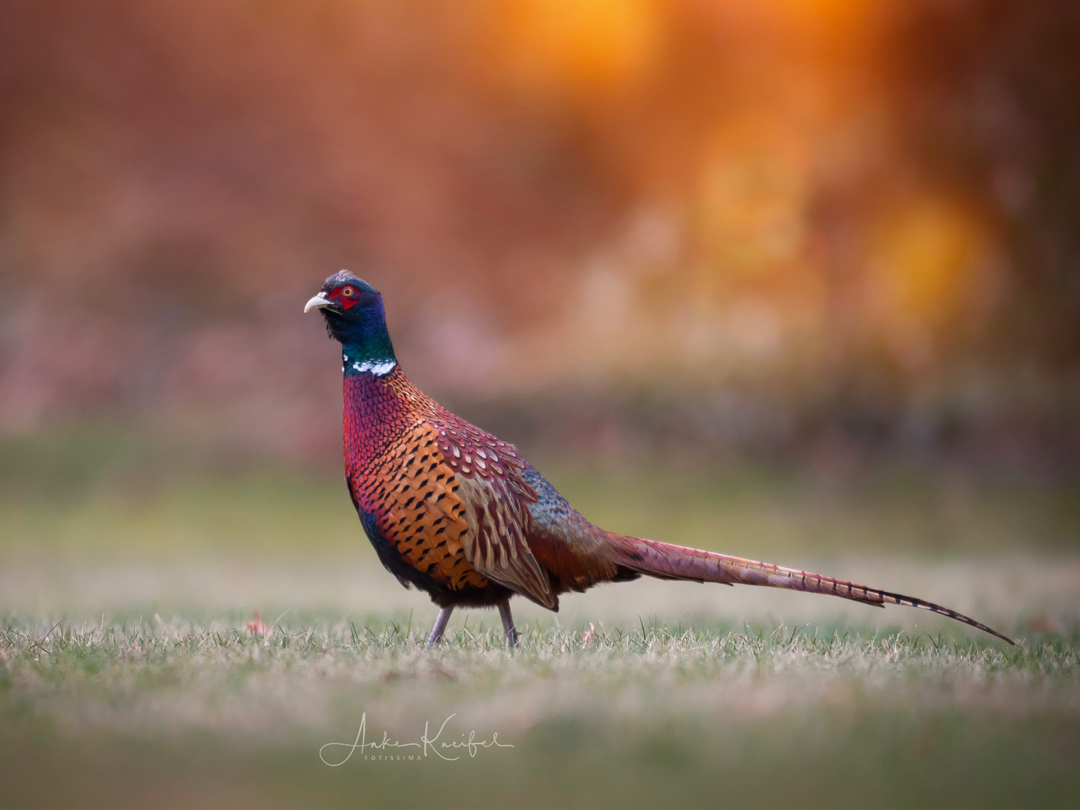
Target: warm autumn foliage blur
770	223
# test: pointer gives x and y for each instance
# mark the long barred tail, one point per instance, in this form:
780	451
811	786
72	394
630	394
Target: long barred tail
677	562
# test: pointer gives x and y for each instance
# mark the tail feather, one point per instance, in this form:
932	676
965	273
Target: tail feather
677	562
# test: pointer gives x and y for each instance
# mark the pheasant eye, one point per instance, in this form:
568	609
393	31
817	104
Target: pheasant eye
348	292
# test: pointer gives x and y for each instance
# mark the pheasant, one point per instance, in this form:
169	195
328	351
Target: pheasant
459	514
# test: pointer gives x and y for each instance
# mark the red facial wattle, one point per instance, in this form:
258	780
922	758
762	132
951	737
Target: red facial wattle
347	296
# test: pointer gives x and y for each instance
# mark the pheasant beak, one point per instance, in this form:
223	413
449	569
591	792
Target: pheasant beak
318	302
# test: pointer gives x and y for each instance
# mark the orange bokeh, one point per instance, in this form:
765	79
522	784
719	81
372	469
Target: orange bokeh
547	191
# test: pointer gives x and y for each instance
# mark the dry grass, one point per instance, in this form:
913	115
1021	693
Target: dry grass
128	676
646	712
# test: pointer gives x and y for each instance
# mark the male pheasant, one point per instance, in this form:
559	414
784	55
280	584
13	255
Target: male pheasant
461	515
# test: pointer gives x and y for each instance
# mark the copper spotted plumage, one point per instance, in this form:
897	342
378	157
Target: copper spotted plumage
459	514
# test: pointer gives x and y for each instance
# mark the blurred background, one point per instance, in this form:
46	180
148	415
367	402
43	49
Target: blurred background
641	239
796	280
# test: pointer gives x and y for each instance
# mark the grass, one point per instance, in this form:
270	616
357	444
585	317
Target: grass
205	712
128	677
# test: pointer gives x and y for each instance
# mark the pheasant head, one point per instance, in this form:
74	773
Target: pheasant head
354	315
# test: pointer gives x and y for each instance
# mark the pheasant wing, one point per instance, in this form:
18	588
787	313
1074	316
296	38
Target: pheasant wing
496	497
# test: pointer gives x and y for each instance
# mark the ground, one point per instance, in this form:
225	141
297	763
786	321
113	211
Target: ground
133	671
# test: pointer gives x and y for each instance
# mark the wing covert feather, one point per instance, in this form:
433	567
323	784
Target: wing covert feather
496	496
